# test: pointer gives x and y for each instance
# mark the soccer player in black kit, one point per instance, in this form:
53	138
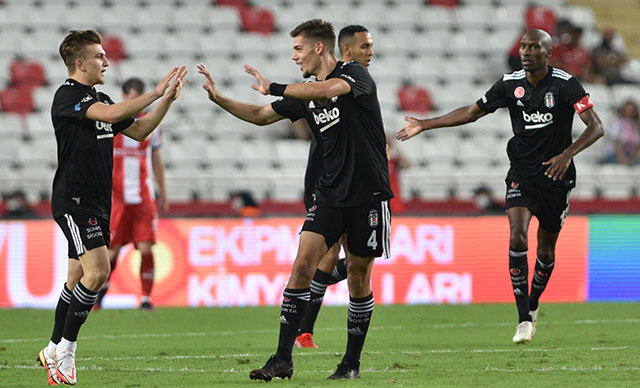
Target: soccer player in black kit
85	122
541	102
342	108
355	44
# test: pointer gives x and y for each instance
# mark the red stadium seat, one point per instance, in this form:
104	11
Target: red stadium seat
27	72
232	3
444	3
114	48
542	18
414	99
17	99
257	20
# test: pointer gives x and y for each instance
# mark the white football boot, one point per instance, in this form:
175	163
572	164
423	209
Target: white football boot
524	332
66	367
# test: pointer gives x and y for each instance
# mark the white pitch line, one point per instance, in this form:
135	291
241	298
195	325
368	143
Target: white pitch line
564	368
328	353
94	367
269	331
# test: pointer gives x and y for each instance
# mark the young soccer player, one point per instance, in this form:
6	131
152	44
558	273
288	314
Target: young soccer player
85	122
352	194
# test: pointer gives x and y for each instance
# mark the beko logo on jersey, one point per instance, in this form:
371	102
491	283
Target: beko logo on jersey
327	115
102	125
331	117
540	119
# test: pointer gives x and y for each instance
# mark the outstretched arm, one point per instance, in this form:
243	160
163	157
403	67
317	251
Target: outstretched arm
559	164
122	110
256	114
321	90
142	127
460	116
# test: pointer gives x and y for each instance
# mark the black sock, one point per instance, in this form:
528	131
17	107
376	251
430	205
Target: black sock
360	310
339	272
61	314
318	287
294	305
520	281
540	278
103	291
82	299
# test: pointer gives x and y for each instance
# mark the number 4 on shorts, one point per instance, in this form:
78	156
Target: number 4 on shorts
372	242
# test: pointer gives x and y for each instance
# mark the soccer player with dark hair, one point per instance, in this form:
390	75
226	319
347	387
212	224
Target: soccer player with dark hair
134	215
342	108
541	102
85	122
355	45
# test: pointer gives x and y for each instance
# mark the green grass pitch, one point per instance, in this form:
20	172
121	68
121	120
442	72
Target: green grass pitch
576	345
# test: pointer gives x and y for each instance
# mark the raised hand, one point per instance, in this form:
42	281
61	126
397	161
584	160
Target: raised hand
412	128
173	92
164	82
209	84
263	83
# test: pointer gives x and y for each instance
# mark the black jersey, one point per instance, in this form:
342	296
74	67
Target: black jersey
83	179
541	119
352	137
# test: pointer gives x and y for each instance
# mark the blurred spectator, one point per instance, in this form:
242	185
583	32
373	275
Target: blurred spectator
624	136
244	204
485	202
608	59
568	53
17	206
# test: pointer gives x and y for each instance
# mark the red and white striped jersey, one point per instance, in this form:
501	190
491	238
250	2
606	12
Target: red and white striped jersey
131	168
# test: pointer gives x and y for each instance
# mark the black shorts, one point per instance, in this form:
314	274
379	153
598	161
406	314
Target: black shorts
549	206
84	231
367	227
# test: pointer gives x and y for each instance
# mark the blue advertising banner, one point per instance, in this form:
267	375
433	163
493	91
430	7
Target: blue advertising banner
614	258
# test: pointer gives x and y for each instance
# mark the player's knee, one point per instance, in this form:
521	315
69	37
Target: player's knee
303	271
518	239
96	278
546	255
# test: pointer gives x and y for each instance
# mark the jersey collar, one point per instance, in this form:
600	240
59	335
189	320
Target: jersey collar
545	80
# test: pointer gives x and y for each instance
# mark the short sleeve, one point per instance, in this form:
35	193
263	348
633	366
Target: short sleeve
122	124
156	139
494	98
358	78
289	108
72	102
575	95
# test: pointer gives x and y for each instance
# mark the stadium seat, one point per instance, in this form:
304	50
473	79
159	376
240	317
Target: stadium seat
615	181
191	18
432	18
443	3
414	98
291	153
113	47
543	18
257	20
232	3
120	19
17	100
27	73
624	92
